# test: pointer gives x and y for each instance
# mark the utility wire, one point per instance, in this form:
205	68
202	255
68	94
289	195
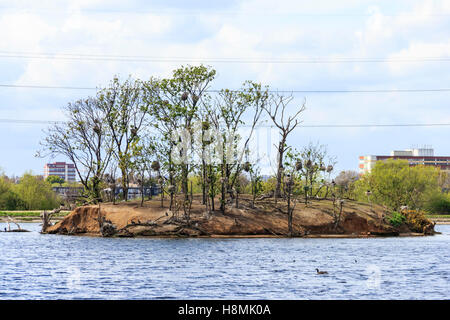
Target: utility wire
125	58
23	121
272	91
187	12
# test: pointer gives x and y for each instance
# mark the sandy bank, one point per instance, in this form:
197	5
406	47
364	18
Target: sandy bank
317	219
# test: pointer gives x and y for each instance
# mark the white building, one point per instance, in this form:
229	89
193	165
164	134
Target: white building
60	169
416	156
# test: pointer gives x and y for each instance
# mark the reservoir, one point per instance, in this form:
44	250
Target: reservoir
35	266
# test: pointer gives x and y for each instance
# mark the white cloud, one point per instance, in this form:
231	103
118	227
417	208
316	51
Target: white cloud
251	29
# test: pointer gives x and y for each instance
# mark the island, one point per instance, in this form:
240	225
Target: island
317	218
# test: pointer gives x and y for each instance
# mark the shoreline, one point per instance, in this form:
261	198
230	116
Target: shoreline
261	236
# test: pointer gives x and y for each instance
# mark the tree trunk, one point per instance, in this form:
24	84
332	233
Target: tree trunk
211	186
280	167
289	211
124	184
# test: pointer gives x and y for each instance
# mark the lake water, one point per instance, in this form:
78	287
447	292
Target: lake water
35	266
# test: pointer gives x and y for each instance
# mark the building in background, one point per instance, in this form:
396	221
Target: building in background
60	169
416	156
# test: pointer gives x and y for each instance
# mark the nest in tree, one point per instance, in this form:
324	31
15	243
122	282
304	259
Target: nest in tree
195	98
247	166
155	166
329	168
184	96
308	164
298	166
205	125
97	129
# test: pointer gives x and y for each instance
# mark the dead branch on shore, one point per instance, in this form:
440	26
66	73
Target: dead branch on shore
47	216
19	229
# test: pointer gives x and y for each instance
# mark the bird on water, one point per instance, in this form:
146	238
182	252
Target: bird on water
321	272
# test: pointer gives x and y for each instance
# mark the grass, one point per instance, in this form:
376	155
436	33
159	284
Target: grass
438	216
29	213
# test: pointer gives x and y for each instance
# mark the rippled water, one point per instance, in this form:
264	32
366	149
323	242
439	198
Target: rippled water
35	266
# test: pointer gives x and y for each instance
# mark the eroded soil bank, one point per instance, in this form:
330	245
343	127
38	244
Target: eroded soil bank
317	219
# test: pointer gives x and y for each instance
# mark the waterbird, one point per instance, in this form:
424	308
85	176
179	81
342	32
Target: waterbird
321	272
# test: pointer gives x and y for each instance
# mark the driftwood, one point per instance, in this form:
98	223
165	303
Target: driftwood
266	196
107	228
19	229
46	217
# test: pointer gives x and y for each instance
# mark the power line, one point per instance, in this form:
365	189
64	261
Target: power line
130	58
187	12
45	87
272	91
24	121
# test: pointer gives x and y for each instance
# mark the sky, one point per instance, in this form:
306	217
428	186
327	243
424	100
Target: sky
288	45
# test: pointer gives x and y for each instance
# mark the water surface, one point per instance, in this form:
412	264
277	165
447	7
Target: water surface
35	266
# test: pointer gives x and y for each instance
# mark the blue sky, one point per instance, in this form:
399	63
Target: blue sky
245	30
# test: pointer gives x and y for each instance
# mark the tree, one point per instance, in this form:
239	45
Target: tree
184	92
125	107
143	153
55	179
314	157
231	107
394	183
84	140
276	110
9	200
36	193
345	182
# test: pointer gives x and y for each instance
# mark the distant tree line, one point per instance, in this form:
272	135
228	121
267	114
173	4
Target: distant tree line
29	193
394	183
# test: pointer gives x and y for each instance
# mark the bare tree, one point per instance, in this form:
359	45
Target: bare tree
83	139
276	110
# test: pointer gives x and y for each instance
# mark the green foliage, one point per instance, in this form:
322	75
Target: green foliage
8	199
35	214
269	185
55	179
396	219
36	193
31	193
11	201
438	203
394	183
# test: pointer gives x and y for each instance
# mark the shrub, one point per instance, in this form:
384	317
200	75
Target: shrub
396	219
416	220
438	203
